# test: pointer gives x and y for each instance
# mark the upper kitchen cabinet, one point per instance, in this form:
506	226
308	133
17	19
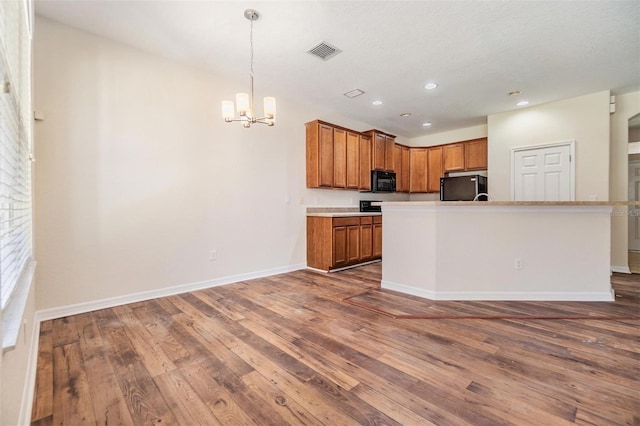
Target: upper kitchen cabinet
475	154
365	162
453	157
405	170
320	155
401	167
418	170
382	150
353	160
434	168
339	158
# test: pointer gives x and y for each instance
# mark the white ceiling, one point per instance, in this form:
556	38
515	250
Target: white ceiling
477	51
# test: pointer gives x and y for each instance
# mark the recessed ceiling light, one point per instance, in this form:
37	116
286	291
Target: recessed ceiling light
354	93
377	102
430	85
522	103
513	93
426	124
405	114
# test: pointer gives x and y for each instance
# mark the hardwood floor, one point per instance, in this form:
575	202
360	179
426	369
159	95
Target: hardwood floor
634	262
286	350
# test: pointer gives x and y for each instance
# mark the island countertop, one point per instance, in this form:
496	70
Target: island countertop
504	203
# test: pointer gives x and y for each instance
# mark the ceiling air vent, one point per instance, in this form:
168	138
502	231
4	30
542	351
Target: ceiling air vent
324	51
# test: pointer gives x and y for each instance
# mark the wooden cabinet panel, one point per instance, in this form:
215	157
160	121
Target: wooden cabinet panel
389	146
339	158
319	155
397	167
320	242
379	146
353	244
418	170
365	163
434	169
353	160
377	240
339	246
405	171
453	157
382	150
475	154
366	242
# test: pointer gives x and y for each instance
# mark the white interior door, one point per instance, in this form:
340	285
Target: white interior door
634	212
543	173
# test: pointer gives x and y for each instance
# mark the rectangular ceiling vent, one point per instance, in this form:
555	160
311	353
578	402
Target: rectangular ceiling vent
324	51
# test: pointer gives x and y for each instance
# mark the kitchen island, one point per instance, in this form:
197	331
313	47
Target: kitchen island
498	250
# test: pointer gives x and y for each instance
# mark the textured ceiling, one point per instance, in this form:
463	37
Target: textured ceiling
477	51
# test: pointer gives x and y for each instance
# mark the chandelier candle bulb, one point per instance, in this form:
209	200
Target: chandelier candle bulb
242	103
270	107
227	110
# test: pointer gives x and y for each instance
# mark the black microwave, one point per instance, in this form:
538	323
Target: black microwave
463	188
383	181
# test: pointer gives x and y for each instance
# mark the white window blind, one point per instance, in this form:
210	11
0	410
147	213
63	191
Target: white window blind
15	144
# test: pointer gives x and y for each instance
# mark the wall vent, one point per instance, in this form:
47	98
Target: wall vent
324	51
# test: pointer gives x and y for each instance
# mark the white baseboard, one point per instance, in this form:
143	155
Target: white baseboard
620	269
502	295
24	416
80	308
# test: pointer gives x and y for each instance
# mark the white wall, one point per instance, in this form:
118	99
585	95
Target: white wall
138	177
627	105
584	119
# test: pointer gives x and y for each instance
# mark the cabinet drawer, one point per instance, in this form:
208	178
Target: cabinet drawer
377	219
346	221
366	220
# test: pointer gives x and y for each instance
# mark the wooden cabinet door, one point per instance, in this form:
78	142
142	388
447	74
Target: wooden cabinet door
366	241
418	170
405	172
475	154
397	167
379	146
325	160
339	158
339	246
389	145
377	240
319	155
434	169
365	163
453	157
353	160
353	244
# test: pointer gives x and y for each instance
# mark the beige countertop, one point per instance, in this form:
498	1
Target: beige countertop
338	212
506	203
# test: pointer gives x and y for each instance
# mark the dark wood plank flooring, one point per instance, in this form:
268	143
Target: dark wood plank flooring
286	350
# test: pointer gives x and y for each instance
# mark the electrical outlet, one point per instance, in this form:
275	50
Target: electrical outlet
213	255
518	263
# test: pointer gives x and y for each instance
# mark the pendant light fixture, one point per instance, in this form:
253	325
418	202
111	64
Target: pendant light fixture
244	101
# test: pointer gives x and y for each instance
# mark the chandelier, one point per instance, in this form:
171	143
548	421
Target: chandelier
244	101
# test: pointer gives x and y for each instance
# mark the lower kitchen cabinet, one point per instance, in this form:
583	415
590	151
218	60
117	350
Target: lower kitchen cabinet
377	237
336	242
